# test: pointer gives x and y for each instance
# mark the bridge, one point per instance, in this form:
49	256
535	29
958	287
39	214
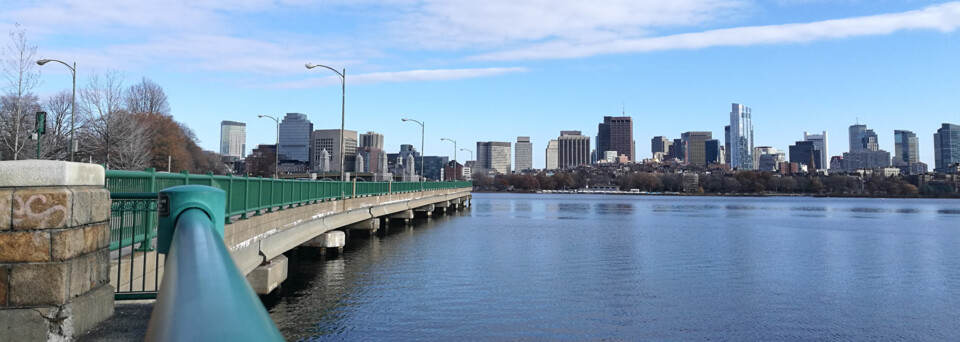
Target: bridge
73	237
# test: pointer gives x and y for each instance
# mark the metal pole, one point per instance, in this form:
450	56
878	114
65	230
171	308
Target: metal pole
343	115
422	132
73	108
276	163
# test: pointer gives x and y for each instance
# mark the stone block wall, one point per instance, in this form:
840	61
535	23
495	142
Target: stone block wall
54	256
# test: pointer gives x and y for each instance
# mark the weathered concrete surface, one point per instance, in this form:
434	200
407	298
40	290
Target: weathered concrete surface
128	323
267	277
331	239
23	173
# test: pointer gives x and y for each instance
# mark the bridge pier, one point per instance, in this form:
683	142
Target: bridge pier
427	210
268	276
405	215
329	242
369	226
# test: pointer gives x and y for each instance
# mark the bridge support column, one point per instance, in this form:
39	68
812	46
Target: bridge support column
370	226
329	242
54	257
267	277
427	210
405	215
455	204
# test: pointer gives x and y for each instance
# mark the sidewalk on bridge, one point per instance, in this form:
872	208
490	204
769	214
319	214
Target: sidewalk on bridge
128	323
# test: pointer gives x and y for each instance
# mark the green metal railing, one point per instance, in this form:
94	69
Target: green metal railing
133	217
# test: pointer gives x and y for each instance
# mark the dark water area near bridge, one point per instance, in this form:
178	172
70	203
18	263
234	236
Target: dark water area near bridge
601	267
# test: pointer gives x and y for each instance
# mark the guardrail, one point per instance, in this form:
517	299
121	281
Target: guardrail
133	219
204	297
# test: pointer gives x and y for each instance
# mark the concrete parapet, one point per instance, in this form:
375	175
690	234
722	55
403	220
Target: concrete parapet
267	277
54	261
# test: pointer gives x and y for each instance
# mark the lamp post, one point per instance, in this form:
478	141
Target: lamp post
73	105
343	105
468	150
276	163
454	155
454	147
422	130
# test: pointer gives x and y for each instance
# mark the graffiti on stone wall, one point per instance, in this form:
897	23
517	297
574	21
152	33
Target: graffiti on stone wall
47	210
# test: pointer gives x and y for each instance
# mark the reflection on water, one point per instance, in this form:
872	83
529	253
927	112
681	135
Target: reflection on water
595	267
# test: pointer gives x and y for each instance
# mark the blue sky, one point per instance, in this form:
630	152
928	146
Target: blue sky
497	69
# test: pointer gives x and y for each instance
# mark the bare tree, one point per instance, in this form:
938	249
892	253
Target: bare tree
112	135
56	140
147	97
21	75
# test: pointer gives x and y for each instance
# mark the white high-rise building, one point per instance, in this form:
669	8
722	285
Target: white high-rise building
523	158
329	140
819	144
233	139
553	155
741	138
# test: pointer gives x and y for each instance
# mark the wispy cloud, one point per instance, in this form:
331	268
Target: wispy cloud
944	18
400	76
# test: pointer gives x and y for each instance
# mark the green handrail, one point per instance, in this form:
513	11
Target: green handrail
245	195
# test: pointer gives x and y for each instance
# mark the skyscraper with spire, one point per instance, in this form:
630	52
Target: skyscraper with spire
741	137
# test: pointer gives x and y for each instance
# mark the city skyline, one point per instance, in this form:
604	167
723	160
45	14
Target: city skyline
800	65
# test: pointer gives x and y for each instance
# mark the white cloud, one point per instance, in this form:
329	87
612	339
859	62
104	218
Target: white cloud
944	18
400	76
452	24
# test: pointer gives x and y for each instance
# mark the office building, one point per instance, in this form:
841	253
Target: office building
741	137
863	139
329	140
615	133
552	155
574	149
660	144
905	150
865	159
493	156
432	166
806	153
678	151
946	148
694	144
819	144
295	141
523	159
726	144
712	151
233	139
371	139
759	152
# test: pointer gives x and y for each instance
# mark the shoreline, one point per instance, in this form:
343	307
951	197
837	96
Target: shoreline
568	192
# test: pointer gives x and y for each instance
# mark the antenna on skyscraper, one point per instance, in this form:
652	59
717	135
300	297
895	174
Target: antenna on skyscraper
624	108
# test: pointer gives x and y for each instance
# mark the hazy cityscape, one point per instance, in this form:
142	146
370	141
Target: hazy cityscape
501	170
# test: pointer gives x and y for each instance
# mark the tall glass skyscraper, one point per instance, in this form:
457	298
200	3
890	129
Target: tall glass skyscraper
946	148
233	139
295	132
741	138
905	149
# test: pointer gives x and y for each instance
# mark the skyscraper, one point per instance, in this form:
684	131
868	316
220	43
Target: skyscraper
660	144
806	153
863	139
329	140
524	154
741	137
233	139
552	155
905	150
371	139
946	148
574	149
295	142
493	156
726	144
615	133
695	147
819	144
712	151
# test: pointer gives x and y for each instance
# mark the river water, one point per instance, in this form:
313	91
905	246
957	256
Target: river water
606	267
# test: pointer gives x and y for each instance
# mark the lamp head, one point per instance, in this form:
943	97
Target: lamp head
404	119
260	116
310	65
43	61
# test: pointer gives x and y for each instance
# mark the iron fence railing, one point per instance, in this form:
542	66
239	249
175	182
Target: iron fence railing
133	216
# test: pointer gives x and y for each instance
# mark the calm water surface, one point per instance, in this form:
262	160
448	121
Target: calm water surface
592	267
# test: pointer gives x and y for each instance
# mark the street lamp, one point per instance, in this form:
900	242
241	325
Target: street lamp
73	105
343	104
276	164
454	147
468	150
422	130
